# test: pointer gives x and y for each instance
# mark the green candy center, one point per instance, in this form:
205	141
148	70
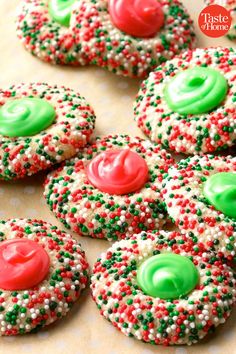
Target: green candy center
25	117
60	11
220	191
167	276
196	91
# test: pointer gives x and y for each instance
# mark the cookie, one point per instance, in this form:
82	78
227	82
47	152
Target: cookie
162	288
111	189
132	39
42	273
200	197
230	5
188	104
43	27
40	125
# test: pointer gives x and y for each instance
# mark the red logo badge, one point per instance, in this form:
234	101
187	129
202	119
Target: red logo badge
215	21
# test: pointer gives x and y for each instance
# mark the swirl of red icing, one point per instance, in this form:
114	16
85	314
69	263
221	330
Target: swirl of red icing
23	264
139	18
118	172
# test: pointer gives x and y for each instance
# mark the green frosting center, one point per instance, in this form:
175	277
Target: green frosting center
196	91
167	276
60	11
25	117
220	191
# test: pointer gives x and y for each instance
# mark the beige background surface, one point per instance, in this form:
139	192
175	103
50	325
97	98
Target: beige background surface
84	331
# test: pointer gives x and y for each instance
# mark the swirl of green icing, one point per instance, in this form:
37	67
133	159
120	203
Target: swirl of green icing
220	191
196	91
60	11
25	117
167	276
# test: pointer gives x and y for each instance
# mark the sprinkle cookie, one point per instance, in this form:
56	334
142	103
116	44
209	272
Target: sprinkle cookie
42	272
230	5
162	289
43	26
188	104
111	189
200	196
131	39
40	125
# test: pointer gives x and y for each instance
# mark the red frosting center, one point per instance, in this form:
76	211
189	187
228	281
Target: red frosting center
23	264
118	171
139	18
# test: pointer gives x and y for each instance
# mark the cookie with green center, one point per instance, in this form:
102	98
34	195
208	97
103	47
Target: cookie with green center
43	27
40	125
200	195
188	103
111	189
163	288
131	39
230	5
43	271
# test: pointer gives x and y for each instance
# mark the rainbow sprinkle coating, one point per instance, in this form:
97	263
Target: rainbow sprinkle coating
45	38
230	5
182	321
108	47
189	134
27	310
87	211
70	131
190	210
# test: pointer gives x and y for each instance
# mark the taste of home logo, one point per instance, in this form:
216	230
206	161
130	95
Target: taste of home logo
215	21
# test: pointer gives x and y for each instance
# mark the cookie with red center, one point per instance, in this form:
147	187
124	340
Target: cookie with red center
132	37
230	5
163	288
43	27
43	271
111	189
41	125
188	103
200	197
